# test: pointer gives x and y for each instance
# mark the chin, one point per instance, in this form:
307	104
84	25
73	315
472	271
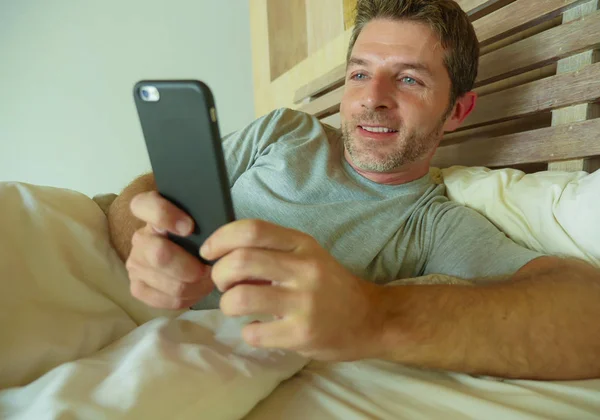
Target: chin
371	163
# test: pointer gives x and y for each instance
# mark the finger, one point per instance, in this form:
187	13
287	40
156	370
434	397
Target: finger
159	212
166	257
279	334
250	233
254	300
157	299
253	264
172	286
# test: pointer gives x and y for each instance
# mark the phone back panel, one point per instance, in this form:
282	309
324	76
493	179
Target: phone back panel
184	145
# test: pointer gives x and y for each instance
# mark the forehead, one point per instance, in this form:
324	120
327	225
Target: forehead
383	39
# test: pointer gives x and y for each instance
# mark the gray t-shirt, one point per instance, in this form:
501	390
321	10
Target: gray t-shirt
289	169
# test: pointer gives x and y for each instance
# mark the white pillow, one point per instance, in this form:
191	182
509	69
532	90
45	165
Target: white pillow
64	293
555	213
71	344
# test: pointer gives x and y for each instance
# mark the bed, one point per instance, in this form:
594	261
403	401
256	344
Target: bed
75	344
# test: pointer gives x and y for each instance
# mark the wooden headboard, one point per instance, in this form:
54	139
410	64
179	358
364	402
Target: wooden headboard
538	86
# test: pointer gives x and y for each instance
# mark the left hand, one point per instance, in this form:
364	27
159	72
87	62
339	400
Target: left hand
322	311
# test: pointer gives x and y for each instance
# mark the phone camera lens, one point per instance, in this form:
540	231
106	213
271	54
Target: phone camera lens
149	93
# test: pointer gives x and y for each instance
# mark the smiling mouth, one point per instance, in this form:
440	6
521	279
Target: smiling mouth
378	130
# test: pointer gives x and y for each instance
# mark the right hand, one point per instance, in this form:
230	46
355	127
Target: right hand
162	274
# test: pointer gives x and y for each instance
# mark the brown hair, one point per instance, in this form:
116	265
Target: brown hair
446	18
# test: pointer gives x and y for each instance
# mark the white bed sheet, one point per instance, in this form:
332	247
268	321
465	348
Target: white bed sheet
381	390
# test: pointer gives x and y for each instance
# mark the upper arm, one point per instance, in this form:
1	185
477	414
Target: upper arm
122	224
463	243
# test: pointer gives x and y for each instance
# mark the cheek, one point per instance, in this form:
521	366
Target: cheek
420	113
345	103
350	102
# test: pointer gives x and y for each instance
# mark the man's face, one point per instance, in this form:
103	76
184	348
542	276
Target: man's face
396	96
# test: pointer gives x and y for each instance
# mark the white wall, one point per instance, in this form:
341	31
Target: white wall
67	68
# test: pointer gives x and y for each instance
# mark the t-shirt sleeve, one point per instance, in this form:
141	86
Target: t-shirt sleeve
463	243
242	148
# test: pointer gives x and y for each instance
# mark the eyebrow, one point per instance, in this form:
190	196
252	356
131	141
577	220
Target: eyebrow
355	61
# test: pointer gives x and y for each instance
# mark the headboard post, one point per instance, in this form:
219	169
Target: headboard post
577	112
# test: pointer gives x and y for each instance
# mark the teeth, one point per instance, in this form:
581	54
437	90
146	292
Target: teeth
379	130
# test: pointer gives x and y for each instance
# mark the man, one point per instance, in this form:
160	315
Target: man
326	219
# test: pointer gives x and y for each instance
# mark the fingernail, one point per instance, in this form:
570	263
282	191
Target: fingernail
183	227
159	231
204	249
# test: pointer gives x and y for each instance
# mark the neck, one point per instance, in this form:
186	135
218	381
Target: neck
403	175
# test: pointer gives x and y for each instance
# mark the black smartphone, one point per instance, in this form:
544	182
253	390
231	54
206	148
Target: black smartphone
181	131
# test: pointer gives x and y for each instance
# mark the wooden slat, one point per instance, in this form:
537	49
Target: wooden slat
521	79
325	105
519	36
571	141
332	79
532	122
546	94
518	16
478	8
578	112
474	5
541	49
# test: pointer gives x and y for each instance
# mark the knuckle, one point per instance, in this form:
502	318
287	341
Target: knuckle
138	241
138	237
234	301
253	230
313	270
163	211
217	272
308	241
179	289
161	253
241	258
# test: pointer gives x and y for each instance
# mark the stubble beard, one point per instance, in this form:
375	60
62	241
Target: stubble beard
408	147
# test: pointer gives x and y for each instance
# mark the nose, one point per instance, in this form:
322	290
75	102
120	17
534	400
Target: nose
378	94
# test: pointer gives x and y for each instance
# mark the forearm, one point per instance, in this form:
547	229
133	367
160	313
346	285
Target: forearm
542	324
122	224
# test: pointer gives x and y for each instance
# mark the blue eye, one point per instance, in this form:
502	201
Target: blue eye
408	80
359	76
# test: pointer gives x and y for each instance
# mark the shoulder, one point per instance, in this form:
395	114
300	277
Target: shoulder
440	210
453	220
289	124
289	117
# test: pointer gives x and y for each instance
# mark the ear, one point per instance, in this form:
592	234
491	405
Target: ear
463	107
